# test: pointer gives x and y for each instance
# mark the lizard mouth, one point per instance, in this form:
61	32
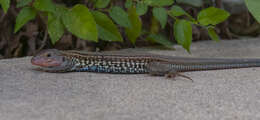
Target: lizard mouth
46	63
51	69
50	66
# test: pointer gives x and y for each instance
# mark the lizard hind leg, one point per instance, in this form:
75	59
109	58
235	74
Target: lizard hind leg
164	69
173	74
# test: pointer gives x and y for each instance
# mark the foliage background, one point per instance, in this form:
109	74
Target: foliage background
27	26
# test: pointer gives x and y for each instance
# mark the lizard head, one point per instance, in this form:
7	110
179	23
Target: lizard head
51	60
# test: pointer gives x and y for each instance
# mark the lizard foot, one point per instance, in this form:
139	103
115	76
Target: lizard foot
174	74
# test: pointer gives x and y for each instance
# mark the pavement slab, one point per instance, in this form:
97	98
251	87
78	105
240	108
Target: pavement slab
234	94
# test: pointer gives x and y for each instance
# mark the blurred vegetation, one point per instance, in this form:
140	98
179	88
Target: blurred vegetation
31	25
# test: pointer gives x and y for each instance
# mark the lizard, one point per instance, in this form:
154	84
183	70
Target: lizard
53	60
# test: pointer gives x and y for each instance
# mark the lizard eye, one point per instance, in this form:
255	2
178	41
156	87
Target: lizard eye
63	59
48	55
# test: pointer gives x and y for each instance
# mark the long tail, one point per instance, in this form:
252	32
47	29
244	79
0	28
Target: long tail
213	64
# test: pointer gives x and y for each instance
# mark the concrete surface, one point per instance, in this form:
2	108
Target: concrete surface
27	94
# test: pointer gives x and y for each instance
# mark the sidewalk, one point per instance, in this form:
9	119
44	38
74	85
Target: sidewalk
27	94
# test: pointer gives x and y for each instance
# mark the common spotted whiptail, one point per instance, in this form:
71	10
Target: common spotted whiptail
52	60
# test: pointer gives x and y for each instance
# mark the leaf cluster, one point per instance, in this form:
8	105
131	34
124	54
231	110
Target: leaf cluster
103	20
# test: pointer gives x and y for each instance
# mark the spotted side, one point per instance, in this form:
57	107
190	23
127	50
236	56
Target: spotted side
106	64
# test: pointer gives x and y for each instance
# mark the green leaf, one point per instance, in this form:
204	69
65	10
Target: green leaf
44	5
55	25
195	3
25	15
159	3
212	16
155	26
22	3
253	7
141	8
183	33
5	4
102	3
107	30
161	15
60	10
55	28
135	31
120	16
128	3
161	40
212	34
177	11
80	22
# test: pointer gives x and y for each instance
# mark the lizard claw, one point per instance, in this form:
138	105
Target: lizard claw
173	75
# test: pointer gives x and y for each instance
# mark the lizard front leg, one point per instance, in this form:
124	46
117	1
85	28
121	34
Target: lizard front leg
164	69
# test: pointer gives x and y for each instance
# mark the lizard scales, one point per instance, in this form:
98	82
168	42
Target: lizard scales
53	60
